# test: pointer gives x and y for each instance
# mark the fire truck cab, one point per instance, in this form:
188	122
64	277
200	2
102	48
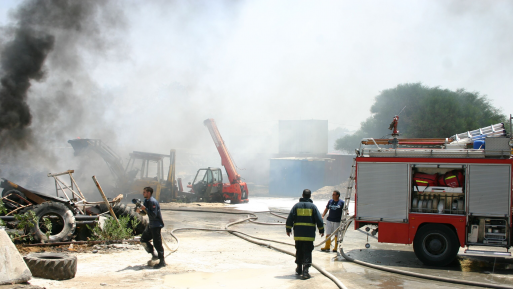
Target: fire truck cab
437	194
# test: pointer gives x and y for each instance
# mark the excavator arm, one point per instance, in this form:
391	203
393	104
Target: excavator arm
112	160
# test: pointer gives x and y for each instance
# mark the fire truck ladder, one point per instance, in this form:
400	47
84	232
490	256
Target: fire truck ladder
346	218
349	188
494	130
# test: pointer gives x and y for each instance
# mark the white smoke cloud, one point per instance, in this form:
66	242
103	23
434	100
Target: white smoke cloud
162	67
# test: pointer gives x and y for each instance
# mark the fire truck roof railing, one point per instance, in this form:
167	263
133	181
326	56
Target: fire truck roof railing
497	148
487	142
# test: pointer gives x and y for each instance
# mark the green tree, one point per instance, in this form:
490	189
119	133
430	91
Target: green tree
430	112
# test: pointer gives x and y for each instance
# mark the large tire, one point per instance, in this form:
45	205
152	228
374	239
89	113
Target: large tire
56	266
436	245
62	218
122	210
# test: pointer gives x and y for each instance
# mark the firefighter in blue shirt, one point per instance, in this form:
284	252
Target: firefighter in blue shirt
335	205
153	230
304	217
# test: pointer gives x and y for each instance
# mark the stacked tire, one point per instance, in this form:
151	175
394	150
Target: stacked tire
55	266
61	217
122	210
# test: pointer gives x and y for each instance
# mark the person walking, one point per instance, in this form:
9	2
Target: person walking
304	217
335	212
153	230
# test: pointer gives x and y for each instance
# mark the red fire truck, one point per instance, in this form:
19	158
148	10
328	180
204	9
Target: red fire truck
438	194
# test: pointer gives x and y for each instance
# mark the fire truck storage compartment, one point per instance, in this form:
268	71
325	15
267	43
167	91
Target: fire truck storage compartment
488	231
381	191
489	190
438	199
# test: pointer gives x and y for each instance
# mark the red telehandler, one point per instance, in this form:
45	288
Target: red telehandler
208	183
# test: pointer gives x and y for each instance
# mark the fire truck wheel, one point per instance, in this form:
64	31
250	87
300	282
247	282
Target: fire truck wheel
56	266
61	217
436	245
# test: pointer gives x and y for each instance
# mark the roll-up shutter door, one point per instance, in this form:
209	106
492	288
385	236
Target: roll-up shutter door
489	190
382	191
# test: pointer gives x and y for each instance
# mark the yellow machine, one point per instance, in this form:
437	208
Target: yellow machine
148	171
142	170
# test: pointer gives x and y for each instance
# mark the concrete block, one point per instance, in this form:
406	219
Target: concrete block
12	266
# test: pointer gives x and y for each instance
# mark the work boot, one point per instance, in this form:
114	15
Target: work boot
306	274
149	248
335	247
327	246
162	263
298	269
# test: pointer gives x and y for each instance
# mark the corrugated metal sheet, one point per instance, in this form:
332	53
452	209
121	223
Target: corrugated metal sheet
290	176
489	190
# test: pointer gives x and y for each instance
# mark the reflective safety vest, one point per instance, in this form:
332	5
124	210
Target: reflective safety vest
303	218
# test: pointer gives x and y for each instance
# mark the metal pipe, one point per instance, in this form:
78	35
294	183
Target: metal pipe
79	243
60	174
86	217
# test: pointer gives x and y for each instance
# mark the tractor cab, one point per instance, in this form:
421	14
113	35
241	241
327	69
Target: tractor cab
208	184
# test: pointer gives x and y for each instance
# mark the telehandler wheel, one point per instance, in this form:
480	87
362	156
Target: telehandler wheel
61	217
56	266
436	245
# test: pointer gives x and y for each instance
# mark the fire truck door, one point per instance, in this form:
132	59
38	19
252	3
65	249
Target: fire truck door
382	191
489	190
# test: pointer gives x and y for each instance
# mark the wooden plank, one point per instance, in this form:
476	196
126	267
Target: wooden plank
30	195
105	199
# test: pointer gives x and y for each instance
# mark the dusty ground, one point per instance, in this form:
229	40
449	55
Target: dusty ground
205	259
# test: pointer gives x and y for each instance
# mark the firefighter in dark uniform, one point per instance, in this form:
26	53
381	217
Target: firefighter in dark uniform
153	230
304	217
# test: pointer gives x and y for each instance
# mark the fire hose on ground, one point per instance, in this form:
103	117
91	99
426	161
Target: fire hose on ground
250	238
342	230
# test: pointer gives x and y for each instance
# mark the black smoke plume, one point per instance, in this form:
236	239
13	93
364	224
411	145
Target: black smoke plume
21	61
47	95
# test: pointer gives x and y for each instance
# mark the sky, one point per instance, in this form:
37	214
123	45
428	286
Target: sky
155	70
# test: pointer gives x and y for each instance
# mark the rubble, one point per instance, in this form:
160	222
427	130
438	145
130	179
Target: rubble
326	191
